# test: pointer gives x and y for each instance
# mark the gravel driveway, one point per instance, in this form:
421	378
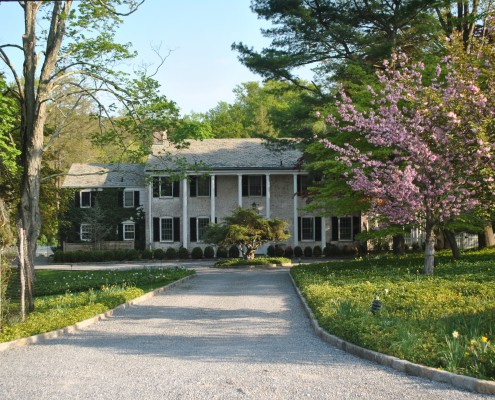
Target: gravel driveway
230	334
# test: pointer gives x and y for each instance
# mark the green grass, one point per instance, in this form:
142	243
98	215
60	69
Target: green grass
232	262
420	316
66	297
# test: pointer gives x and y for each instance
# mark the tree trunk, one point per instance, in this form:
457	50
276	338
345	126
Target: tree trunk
429	251
398	244
489	236
450	236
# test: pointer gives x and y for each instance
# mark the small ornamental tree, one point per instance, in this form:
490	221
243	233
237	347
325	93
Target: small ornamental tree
247	229
435	145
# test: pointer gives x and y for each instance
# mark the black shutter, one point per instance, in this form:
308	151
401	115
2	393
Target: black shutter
335	229
216	220
93	198
77	199
299	228
193	186
317	229
156	186
136	199
356	225
245	186
120	230
192	229
176	188
176	229
263	185
137	232
120	198
156	229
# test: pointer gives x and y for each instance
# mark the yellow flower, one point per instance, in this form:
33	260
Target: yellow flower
455	334
473	342
484	339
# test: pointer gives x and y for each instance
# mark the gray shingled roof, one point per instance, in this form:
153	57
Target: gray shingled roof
225	154
104	175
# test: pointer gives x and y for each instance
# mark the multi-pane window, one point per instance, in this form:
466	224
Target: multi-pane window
166	187
203	186
202	222
345	228
307	228
129	199
129	231
166	229
255	185
85	199
85	232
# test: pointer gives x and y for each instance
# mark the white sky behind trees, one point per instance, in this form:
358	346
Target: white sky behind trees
202	69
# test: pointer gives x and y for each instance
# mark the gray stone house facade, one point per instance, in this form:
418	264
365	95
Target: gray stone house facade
220	174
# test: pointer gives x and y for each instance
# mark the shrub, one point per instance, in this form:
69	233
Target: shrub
58	256
183	253
171	253
197	253
209	252
270	251
132	254
279	251
308	251
317	251
288	252
108	255
415	246
159	254
234	252
222	252
147	254
120	255
298	251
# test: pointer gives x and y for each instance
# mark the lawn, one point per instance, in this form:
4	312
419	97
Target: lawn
442	321
66	297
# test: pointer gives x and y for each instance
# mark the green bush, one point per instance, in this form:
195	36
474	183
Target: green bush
317	251
147	254
197	253
120	254
234	252
255	261
298	251
270	251
58	256
289	252
183	253
279	251
171	253
132	254
209	252
308	251
159	254
222	252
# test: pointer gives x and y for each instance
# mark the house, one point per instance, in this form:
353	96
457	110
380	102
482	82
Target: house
186	188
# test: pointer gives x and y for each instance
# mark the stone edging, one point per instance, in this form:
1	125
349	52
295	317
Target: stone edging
42	337
459	381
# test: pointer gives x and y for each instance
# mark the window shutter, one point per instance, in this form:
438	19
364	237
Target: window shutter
192	186
93	199
216	220
137	232
120	230
120	198
77	199
137	202
176	188
263	185
356	225
317	229
192	229
335	229
156	186
299	228
245	186
156	229
176	229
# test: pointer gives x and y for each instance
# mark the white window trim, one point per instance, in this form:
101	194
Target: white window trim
260	177
345	240
81	198
81	232
134	230
313	229
198	240
207	182
162	196
123	201
161	231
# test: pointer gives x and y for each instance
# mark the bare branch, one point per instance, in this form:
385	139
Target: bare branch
133	8
6	60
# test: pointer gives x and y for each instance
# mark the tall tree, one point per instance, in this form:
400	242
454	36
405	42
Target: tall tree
68	42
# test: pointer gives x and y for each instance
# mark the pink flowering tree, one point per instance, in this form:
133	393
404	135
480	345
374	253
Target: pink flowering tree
433	141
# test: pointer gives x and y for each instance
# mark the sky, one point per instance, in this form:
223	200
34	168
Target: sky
201	69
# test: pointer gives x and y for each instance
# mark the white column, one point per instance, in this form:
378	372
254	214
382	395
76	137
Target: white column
323	232
295	236
212	199
239	190
184	213
150	217
267	206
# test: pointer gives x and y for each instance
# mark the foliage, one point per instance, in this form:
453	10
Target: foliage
209	252
308	252
247	229
317	252
279	251
66	297
254	261
171	253
234	251
419	312
183	253
270	251
298	252
147	254
222	252
288	252
159	254
197	253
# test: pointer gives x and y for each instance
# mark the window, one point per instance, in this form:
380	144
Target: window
128	199
85	199
166	230
254	185
203	186
202	222
85	232
129	231
345	228
166	187
307	229
302	185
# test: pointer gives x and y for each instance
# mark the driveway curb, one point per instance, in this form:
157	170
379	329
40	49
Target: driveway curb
459	381
42	337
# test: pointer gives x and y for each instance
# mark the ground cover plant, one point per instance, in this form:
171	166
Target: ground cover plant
255	261
445	320
66	297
